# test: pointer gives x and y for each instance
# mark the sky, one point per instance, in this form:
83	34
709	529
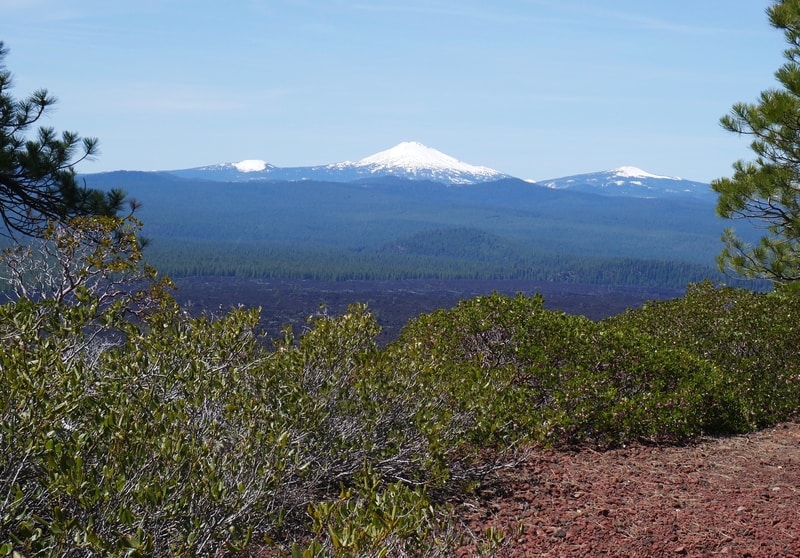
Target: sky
536	89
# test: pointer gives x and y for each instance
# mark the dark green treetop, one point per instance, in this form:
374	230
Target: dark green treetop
766	191
37	178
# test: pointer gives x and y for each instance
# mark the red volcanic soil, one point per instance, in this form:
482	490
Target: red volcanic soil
736	496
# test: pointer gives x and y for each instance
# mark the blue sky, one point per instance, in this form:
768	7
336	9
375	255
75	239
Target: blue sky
537	89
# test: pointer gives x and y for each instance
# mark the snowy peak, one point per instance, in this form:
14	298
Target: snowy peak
631	182
415	161
409	160
413	156
633	172
250	165
247	169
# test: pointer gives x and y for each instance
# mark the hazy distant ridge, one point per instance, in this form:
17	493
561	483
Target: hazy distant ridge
415	161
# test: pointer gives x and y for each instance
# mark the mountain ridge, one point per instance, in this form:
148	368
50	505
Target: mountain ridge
631	182
409	159
414	161
395	226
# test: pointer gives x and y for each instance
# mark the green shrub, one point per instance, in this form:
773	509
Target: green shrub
621	386
492	360
521	372
150	436
372	518
157	446
751	338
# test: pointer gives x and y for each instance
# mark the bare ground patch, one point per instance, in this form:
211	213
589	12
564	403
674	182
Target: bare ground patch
737	496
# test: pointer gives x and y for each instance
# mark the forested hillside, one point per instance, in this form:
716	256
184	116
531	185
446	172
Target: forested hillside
392	228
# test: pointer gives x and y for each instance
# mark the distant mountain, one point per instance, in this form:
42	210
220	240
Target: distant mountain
616	229
631	182
407	160
414	163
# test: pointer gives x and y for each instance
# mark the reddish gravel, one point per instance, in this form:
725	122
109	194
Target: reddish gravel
736	496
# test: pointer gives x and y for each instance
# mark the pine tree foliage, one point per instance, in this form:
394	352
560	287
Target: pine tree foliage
766	191
37	178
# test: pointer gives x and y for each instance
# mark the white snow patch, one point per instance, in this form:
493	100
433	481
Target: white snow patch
340	166
413	156
633	172
250	165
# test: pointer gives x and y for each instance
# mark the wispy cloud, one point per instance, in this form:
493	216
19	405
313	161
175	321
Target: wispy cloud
597	15
172	98
654	24
549	12
489	12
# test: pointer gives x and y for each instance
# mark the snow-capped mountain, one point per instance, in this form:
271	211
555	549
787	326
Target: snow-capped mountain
630	182
413	160
249	169
409	160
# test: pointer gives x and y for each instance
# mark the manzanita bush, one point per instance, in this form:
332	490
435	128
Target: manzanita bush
752	340
128	428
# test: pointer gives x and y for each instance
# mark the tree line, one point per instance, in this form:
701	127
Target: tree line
259	260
